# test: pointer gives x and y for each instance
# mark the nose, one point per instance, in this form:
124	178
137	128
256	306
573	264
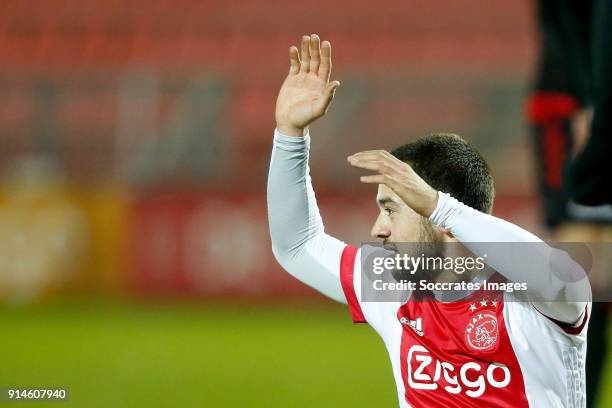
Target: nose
380	232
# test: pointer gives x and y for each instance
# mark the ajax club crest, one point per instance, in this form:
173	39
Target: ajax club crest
481	331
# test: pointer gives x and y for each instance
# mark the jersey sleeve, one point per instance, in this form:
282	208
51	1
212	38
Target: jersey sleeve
380	314
532	320
573	329
348	275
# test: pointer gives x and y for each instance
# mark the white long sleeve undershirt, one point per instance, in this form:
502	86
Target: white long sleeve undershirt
299	241
303	249
524	258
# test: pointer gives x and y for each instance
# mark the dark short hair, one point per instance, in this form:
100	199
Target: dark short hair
450	164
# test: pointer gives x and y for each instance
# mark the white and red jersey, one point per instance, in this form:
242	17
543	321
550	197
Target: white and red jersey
481	351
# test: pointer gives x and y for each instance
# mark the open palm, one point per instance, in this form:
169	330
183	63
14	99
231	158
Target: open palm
306	93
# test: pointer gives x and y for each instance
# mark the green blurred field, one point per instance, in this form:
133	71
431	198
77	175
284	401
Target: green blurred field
182	355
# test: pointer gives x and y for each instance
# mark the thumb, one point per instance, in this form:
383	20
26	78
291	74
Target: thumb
322	104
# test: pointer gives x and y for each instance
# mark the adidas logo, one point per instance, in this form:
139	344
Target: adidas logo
415	325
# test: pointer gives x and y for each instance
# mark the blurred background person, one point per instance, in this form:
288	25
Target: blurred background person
579	35
559	110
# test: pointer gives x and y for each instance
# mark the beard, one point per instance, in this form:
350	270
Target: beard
429	245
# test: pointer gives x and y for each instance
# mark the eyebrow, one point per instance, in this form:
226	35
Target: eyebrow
385	200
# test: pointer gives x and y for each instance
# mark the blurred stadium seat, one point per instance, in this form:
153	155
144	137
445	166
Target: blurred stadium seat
158	96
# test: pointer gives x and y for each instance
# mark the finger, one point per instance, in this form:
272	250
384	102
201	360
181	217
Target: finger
379	166
381	155
305	57
373	165
322	104
372	153
325	64
373	179
385	165
294	60
315	52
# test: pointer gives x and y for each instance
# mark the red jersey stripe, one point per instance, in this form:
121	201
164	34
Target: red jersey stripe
572	329
347	268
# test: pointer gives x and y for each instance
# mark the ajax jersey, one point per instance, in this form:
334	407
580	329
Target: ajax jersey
486	350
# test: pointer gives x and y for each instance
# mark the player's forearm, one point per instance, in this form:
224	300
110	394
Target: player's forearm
549	287
292	208
296	228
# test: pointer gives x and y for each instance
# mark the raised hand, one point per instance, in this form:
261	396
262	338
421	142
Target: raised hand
399	177
306	93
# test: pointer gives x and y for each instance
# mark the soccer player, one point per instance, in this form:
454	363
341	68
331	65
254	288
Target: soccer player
515	350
